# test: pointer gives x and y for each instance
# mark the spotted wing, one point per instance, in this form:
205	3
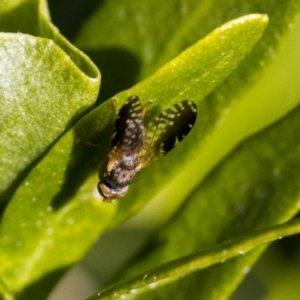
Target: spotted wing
129	129
167	129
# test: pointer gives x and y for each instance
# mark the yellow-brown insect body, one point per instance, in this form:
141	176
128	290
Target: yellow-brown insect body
133	148
123	159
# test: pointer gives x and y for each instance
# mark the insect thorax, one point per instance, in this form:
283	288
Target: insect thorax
119	175
122	173
133	147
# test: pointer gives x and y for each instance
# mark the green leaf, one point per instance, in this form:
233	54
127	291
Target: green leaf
56	214
255	187
43	91
194	84
131	41
21	16
282	265
276	93
171	271
57	206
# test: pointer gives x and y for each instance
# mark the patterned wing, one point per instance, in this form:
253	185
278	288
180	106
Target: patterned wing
129	129
167	129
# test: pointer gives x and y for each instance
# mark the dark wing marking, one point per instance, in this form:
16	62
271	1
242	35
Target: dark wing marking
129	129
167	129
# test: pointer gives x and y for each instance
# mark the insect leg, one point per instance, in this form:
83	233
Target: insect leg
114	101
147	105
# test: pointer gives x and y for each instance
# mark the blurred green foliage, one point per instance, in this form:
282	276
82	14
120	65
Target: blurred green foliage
235	173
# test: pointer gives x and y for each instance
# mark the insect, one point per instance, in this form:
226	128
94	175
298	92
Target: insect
134	147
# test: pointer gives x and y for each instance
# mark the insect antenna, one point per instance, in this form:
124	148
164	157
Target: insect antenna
88	143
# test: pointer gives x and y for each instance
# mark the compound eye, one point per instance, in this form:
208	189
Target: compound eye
109	193
102	189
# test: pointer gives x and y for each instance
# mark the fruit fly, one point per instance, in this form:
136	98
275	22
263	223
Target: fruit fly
133	147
